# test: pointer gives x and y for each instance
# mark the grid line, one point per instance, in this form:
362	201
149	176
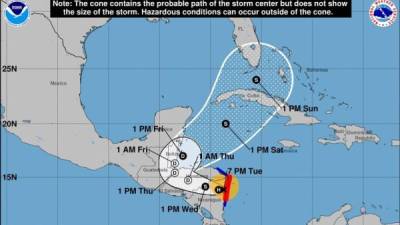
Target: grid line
159	114
108	120
363	111
312	127
206	123
57	132
238	176
201	68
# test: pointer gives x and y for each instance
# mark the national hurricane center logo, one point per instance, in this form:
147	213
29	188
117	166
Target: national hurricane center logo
383	13
17	13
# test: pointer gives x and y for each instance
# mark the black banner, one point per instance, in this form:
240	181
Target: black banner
200	8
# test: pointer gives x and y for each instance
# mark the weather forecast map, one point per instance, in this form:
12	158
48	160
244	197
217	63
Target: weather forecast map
200	112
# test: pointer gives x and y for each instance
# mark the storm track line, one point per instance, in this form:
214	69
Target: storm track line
244	142
201	175
159	155
165	181
270	95
173	142
240	139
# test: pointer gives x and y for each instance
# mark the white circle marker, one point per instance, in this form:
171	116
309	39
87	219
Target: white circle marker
182	176
191	164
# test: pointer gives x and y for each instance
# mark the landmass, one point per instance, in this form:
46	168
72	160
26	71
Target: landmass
244	32
54	118
157	19
338	218
41	124
289	144
348	135
295	117
282	75
396	143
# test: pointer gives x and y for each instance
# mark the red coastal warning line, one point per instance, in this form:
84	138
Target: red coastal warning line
227	186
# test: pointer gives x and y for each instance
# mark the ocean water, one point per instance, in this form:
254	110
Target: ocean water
39	197
137	75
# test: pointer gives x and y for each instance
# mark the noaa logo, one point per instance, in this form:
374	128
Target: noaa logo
383	13
17	13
